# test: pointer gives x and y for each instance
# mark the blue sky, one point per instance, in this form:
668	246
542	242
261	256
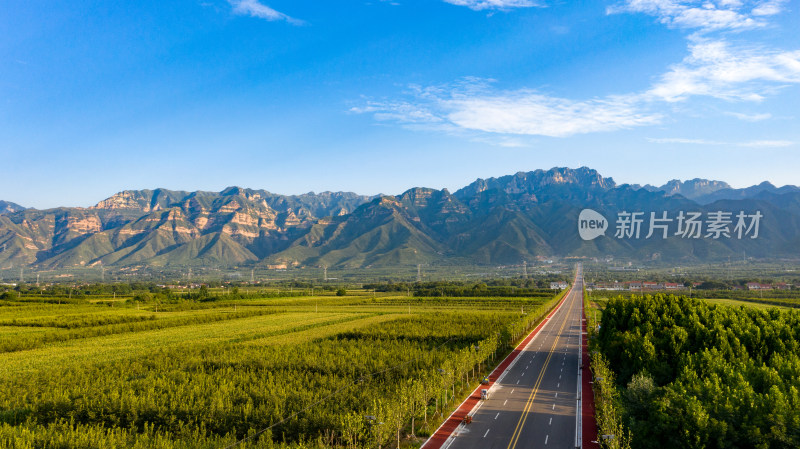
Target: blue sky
380	96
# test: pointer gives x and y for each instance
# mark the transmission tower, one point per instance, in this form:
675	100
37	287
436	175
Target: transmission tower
525	269
419	272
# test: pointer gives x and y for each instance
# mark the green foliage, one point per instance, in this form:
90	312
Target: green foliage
90	326
697	375
478	290
607	409
400	369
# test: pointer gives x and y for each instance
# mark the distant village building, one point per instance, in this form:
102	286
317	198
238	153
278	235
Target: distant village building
758	286
561	285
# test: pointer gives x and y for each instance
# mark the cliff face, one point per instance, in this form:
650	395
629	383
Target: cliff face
145	226
693	188
496	220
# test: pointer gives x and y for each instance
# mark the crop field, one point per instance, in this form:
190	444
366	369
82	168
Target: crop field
355	371
753	303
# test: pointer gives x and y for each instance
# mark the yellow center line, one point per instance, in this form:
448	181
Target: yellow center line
518	430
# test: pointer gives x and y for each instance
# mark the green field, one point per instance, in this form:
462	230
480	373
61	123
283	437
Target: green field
740	303
264	372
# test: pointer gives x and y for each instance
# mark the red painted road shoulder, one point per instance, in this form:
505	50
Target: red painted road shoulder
589	429
447	428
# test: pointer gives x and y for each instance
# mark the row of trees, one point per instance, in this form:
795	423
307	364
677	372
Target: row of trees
60	329
353	390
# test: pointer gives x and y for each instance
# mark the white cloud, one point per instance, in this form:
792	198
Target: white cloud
473	105
716	69
767	144
704	15
750	117
255	9
748	144
478	5
713	69
685	141
769	7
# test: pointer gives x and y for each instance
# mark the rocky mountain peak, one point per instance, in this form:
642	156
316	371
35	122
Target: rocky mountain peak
693	188
531	183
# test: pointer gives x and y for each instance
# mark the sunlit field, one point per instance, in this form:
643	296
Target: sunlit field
261	372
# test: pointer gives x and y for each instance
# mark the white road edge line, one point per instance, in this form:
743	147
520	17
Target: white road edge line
453	435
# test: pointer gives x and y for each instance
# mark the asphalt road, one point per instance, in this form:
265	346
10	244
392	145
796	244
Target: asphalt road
533	405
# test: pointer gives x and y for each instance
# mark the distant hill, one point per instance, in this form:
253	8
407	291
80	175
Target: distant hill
491	221
692	189
705	191
745	193
7	207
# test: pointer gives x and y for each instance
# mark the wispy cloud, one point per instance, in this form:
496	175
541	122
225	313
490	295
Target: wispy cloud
479	5
255	9
748	144
704	15
717	69
750	117
769	7
473	104
714	69
685	141
768	144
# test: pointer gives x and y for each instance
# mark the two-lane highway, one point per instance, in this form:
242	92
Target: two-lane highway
533	403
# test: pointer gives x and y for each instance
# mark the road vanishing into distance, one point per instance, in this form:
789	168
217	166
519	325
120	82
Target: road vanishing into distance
534	402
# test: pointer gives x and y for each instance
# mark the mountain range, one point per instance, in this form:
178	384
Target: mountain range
704	191
491	221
